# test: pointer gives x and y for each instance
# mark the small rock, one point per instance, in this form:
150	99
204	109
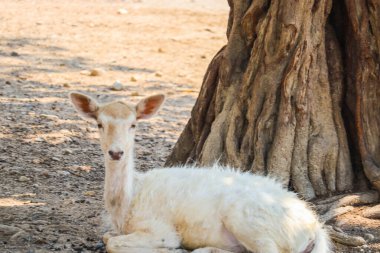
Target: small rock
67	151
63	172
158	74
23	179
369	237
203	56
97	72
49	116
57	159
85	72
68	139
160	50
90	193
84	168
133	79
37	161
135	94
45	173
15	54
66	85
117	86
39	139
122	11
8	82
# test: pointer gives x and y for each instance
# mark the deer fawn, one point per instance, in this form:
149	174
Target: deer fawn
195	208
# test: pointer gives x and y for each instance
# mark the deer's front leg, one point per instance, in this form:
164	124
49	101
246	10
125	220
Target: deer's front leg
210	250
108	235
144	242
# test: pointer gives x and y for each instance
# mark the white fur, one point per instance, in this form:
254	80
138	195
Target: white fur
221	208
201	207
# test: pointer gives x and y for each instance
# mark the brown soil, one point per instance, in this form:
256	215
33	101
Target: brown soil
50	162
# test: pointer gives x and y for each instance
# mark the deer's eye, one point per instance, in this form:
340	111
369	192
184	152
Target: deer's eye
133	126
100	126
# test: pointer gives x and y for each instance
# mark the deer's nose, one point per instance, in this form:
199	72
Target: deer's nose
115	155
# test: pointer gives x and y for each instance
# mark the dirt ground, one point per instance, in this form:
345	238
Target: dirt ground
51	166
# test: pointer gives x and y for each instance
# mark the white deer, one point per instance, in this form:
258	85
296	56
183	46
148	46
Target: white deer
208	209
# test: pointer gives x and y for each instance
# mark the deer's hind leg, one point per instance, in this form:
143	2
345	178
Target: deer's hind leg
143	242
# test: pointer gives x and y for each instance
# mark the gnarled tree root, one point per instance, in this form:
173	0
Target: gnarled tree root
341	204
331	214
344	238
372	212
360	198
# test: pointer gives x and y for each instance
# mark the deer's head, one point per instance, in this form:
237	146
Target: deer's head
116	121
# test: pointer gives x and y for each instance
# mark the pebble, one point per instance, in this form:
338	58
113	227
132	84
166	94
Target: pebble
45	173
133	79
57	159
369	237
85	168
40	222
158	74
90	193
122	11
8	82
117	86
85	72
63	172
66	85
48	116
160	50
15	54
23	179
135	94
97	72
37	161
67	151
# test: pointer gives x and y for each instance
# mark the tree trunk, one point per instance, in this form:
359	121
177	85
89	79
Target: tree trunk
295	94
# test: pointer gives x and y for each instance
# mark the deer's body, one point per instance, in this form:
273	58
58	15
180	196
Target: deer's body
194	207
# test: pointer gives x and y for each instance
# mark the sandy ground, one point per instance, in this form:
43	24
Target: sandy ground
50	162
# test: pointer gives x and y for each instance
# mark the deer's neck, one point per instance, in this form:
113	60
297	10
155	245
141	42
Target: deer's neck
118	190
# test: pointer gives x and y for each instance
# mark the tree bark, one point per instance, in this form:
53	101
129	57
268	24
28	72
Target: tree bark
294	94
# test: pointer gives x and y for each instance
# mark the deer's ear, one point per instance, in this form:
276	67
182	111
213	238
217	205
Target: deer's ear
149	106
85	105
